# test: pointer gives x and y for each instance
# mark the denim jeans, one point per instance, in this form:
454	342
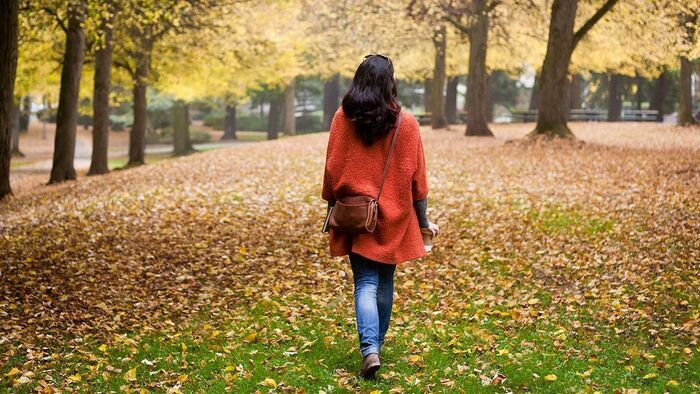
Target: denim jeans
374	296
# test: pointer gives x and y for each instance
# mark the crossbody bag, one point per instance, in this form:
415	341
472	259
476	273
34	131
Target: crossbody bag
358	214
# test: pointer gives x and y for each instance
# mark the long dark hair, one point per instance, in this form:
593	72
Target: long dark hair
371	101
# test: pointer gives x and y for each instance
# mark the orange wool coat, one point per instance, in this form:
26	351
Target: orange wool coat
354	168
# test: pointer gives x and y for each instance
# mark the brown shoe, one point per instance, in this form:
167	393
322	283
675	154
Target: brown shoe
370	365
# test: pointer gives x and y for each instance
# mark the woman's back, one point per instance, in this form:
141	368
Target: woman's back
354	167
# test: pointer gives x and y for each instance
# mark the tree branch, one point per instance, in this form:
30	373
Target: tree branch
459	25
54	13
125	66
578	36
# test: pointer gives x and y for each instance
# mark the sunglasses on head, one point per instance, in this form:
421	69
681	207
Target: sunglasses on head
385	57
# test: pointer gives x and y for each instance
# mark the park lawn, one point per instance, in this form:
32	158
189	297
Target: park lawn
561	268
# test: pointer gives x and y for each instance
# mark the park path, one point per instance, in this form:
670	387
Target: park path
83	153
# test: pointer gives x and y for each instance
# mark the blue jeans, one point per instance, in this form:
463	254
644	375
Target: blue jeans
374	296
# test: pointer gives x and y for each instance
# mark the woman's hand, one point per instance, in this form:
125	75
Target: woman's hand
434	228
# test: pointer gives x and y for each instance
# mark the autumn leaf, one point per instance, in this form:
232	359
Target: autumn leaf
268	382
130	375
415	360
551	377
13	371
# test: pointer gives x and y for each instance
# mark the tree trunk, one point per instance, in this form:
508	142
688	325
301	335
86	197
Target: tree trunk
535	94
9	11
614	98
685	103
553	107
230	123
331	94
100	104
437	119
477	81
576	92
428	96
67	115
274	118
490	95
16	125
451	100
658	99
137	136
289	122
182	145
639	94
26	113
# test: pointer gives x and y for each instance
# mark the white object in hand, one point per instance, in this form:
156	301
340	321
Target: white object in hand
428	234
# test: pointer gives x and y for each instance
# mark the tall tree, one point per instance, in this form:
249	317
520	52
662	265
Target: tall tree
289	116
576	91
614	97
658	99
9	12
230	123
478	13
451	99
143	24
67	114
685	96
16	127
274	116
535	94
331	95
100	98
437	118
182	145
562	41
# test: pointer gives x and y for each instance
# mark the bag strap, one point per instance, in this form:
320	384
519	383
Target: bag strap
388	157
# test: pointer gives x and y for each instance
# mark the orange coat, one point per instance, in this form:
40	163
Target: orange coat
354	168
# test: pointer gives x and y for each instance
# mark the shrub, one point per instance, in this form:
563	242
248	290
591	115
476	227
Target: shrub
309	123
251	123
165	136
215	120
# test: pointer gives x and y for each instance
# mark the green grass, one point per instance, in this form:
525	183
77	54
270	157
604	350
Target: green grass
319	351
153	158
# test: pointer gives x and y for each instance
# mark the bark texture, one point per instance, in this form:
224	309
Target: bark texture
230	123
477	80
576	92
289	122
67	115
554	104
16	126
182	145
100	104
428	96
615	98
535	95
451	100
437	118
553	107
25	114
137	135
331	100
658	99
685	95
9	11
274	118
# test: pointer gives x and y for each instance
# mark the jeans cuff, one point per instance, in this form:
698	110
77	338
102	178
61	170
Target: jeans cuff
369	350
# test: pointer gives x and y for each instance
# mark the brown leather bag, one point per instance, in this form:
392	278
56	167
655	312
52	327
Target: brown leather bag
358	214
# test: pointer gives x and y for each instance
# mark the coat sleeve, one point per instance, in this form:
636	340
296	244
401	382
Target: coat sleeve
327	191
420	177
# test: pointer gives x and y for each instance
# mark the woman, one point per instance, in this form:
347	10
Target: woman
358	148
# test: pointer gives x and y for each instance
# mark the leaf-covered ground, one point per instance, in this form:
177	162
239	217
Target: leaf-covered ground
561	268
